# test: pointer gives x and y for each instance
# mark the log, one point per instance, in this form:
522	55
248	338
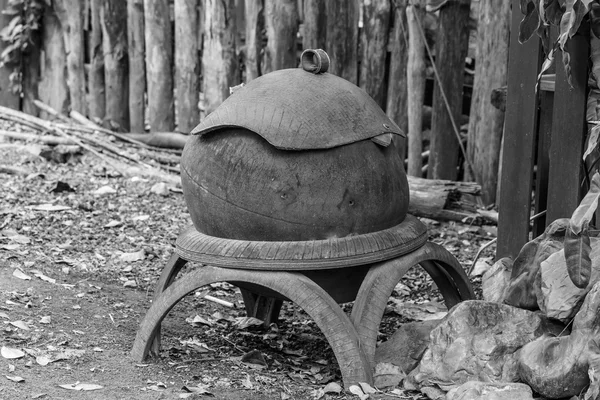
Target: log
281	21
219	58
374	46
314	26
33	137
451	49
187	66
7	97
53	84
487	122
342	37
159	72
415	84
137	64
70	15
113	18
397	98
96	90
254	26
168	140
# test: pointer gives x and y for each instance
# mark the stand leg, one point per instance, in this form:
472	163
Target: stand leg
262	307
169	272
381	279
335	325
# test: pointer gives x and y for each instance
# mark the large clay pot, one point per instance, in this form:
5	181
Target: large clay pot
295	155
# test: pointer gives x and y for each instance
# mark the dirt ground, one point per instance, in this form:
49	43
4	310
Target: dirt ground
80	251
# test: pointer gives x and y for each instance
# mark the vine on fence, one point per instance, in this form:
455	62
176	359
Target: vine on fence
19	34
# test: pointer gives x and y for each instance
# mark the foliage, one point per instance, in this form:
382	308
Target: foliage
19	34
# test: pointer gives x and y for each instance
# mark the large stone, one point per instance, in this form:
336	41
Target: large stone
477	341
521	289
558	367
557	296
474	390
494	281
407	345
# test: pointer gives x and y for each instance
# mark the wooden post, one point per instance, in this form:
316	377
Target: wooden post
219	58
451	50
415	83
137	65
397	97
70	14
7	97
113	18
568	132
342	37
314	26
254	27
53	84
96	89
281	21
519	135
187	66
159	71
374	47
486	122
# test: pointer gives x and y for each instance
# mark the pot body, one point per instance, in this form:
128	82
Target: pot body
238	186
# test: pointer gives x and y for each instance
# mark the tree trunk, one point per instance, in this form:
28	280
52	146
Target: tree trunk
374	43
186	64
451	49
137	65
255	22
31	76
314	25
96	89
415	83
219	59
53	84
486	121
70	14
113	16
281	21
159	72
397	98
7	97
342	38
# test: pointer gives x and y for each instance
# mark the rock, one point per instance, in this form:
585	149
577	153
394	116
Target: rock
557	296
387	375
520	291
476	341
160	188
557	367
495	281
474	390
407	345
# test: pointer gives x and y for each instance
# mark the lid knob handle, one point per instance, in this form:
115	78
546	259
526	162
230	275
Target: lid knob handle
315	61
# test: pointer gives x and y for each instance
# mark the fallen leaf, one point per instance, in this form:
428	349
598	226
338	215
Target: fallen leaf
81	386
356	390
245	322
160	188
11	368
50	207
196	344
144	217
17	273
21	239
39	395
135	256
198	320
43	360
130	283
104	190
98	349
113	223
19	324
254	357
15	378
43	277
200	390
10	247
11	353
368	389
46	319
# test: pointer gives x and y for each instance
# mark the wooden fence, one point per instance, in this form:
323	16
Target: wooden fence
159	65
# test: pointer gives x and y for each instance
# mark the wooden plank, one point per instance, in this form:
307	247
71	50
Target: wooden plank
543	162
568	133
519	135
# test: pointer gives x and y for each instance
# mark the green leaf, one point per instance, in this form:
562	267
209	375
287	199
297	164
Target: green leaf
592	141
595	19
434	5
585	211
530	23
577	255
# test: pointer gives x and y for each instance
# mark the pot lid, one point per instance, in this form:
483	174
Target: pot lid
303	108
